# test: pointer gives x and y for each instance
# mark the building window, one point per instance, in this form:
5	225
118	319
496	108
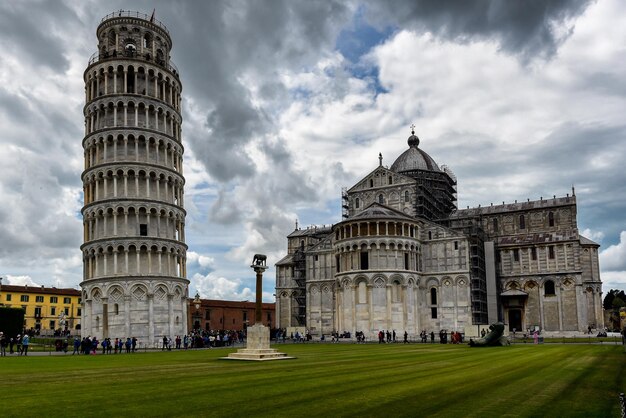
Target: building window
53	311
390	181
551	219
456	245
39	299
337	264
433	313
533	253
52	325
364	260
116	309
8	298
54	299
522	222
67	301
371	183
406	196
430	235
433	296
38	311
24	298
143	230
316	257
357	203
516	254
78	312
548	288
67	310
406	261
551	252
381	199
207	314
495	224
245	316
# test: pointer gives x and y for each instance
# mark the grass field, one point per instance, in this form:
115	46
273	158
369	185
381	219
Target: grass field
371	380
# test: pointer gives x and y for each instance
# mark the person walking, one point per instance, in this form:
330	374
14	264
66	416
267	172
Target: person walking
76	346
25	342
406	337
3	345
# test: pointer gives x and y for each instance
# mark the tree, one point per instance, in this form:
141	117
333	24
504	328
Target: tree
11	321
618	303
610	296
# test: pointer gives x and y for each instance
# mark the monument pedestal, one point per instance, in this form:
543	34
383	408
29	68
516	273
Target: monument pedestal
257	347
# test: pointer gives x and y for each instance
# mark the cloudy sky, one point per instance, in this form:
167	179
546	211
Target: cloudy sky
285	102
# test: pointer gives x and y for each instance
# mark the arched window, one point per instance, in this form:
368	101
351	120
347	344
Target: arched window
548	288
522	222
362	292
551	219
406	196
147	41
116	309
433	296
371	182
356	203
390	180
395	292
381	199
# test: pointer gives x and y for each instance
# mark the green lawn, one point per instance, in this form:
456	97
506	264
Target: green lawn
325	380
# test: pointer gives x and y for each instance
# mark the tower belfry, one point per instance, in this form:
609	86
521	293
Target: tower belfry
134	251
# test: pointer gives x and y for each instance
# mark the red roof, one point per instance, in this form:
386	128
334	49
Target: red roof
40	290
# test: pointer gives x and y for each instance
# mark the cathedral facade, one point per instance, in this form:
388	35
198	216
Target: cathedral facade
405	258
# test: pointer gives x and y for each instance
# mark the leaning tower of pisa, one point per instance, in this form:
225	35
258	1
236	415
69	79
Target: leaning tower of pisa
134	252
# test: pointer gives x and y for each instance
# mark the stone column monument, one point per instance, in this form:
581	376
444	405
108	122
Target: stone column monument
258	338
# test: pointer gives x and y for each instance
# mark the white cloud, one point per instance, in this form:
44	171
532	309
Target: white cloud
211	286
21	281
596	236
614	257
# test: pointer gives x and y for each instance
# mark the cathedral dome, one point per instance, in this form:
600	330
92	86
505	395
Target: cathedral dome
414	158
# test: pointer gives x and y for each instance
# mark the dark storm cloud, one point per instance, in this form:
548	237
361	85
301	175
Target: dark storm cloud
588	157
14	106
27	29
225	211
244	39
524	28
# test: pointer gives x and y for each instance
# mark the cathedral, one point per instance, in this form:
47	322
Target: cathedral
405	258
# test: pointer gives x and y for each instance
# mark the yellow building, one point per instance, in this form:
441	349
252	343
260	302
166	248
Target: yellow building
47	309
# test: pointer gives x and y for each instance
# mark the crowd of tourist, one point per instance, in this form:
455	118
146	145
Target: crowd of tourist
20	343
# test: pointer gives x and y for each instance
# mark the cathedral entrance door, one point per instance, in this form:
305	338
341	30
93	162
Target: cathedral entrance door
515	320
